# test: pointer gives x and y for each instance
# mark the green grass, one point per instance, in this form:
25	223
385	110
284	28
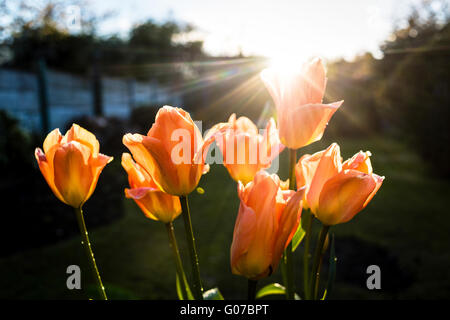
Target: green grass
408	218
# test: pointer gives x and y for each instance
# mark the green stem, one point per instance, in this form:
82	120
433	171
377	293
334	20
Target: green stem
318	261
251	289
308	225
176	254
90	255
289	284
197	282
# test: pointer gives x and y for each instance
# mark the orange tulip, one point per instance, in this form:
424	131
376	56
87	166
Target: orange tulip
244	151
336	191
267	220
71	164
302	117
155	204
172	152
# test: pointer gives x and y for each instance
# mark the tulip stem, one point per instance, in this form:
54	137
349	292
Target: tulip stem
308	223
197	282
251	289
90	255
290	282
318	257
176	254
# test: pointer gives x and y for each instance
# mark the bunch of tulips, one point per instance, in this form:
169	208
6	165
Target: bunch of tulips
165	166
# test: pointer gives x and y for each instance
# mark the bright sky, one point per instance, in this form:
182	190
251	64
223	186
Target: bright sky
327	28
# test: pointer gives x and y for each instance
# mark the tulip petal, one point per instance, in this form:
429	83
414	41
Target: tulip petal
97	164
271	145
242	237
344	195
246	125
295	87
155	204
52	139
379	181
289	221
173	178
73	175
46	168
302	125
360	162
137	175
314	82
273	82
161	168
267	185
171	122
83	136
218	130
200	158
328	166
142	156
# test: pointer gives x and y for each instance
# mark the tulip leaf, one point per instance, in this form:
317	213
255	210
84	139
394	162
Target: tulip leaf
180	293
212	294
179	290
300	233
271	289
332	270
298	237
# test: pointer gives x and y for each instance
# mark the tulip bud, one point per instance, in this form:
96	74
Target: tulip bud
172	152
267	220
244	150
153	202
336	191
72	164
302	117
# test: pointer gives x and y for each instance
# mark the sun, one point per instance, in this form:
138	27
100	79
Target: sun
287	62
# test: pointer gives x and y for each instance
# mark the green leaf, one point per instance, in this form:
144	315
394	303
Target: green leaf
212	294
180	290
332	270
273	288
300	233
298	237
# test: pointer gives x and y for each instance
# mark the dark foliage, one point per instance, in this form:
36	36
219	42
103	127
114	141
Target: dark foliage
32	215
142	118
416	90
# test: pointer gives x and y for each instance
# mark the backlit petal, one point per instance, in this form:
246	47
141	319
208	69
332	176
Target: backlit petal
344	195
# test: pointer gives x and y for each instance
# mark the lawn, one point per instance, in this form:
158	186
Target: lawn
404	230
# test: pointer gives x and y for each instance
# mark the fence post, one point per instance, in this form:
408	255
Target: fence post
97	86
43	95
131	83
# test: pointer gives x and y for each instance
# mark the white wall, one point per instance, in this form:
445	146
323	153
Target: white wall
71	96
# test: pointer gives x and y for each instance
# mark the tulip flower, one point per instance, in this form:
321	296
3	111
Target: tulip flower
298	95
154	203
172	152
244	151
267	220
336	191
72	164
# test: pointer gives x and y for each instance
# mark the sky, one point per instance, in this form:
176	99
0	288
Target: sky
278	29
